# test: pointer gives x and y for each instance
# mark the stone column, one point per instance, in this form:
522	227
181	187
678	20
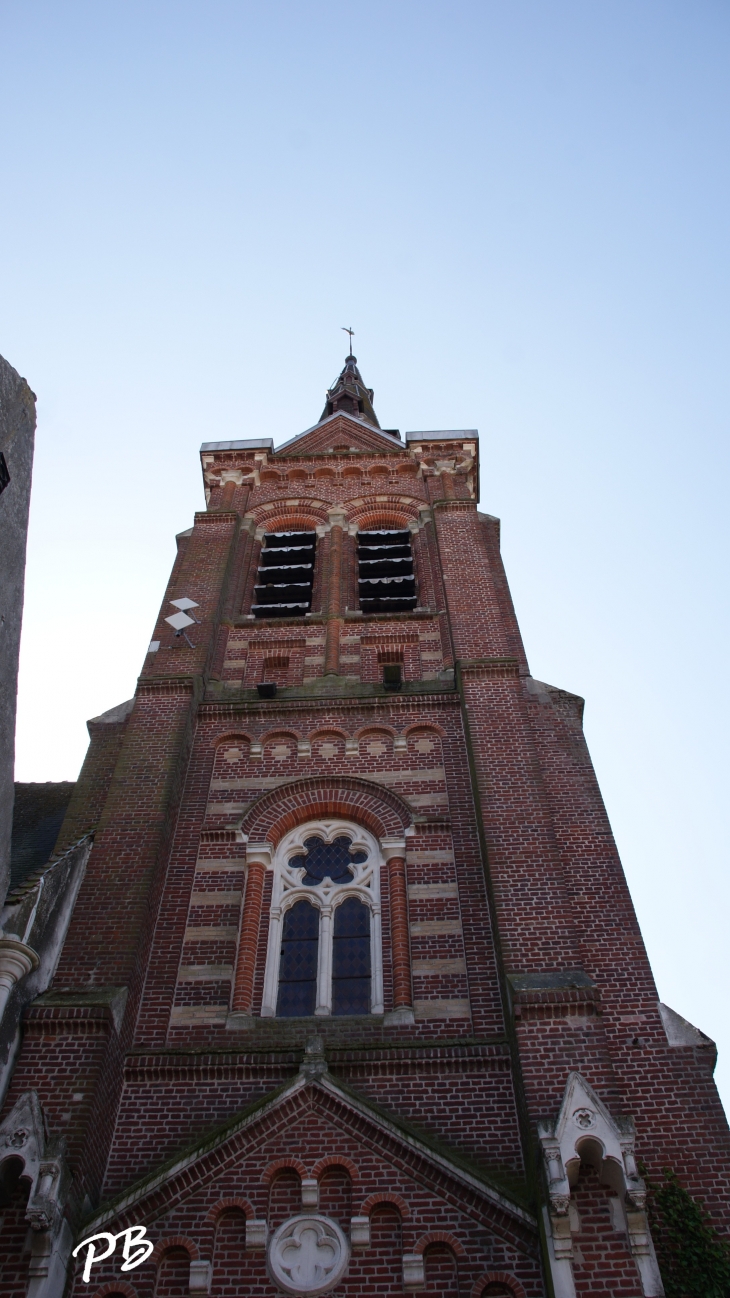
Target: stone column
394	851
258	858
16	960
334	601
324	965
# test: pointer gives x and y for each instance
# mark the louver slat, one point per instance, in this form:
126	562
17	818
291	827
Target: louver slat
285	575
386	580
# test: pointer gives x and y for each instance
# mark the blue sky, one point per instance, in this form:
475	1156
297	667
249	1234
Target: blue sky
522	210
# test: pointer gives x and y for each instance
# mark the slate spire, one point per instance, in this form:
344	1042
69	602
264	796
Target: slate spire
350	395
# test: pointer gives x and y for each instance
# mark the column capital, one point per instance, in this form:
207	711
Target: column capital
259	854
16	958
392	847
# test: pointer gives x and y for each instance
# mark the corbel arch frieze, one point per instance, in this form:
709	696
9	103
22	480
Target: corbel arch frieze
327	730
231	738
280	732
375	728
431	727
277	811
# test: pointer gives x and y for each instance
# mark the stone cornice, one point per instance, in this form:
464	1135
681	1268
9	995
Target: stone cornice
168	685
224	710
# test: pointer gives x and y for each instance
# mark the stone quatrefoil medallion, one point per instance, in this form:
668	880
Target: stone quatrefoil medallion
308	1254
584	1118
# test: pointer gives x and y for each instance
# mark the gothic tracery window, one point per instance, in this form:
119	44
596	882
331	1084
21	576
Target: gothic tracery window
324	952
351	958
298	963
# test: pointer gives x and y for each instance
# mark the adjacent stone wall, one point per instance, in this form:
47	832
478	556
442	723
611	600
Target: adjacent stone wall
17	435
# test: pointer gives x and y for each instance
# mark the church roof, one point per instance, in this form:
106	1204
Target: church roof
347	400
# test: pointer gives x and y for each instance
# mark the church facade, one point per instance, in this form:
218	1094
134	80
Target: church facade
353	998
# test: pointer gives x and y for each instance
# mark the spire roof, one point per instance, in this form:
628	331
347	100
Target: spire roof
350	396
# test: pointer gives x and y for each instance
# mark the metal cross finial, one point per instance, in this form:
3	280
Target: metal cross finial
350	332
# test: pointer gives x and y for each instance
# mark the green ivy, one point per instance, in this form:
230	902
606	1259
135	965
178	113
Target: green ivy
693	1259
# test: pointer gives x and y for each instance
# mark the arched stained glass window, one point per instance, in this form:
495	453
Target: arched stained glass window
325	951
322	859
298	963
351	958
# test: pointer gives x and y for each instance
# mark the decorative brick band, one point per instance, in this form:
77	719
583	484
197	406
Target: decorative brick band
555	1002
166	686
463	506
212	518
67	1020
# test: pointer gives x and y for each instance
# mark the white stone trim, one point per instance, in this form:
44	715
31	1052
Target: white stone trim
22	1135
584	1128
291	1265
16	960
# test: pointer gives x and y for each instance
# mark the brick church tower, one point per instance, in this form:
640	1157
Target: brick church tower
353	998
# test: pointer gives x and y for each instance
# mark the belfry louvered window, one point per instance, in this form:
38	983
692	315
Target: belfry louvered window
285	575
386	580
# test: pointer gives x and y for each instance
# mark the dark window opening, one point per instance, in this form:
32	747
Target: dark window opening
327	859
4	473
11	1171
386	580
285	575
393	676
298	964
351	958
